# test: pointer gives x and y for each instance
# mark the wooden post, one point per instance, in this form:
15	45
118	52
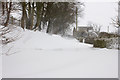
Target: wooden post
12	20
108	29
76	18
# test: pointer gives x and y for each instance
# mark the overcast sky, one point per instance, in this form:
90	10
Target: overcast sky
99	12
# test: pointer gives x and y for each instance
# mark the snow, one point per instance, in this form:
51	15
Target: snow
16	14
40	55
0	64
1	54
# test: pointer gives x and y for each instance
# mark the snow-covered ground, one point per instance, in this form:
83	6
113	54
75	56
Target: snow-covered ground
0	61
40	55
0	55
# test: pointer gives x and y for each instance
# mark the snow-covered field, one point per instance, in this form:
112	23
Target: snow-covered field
40	55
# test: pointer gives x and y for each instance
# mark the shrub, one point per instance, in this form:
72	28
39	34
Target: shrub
89	40
100	43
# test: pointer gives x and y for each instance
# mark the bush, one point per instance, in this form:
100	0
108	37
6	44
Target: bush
100	43
80	39
89	40
109	43
107	35
112	43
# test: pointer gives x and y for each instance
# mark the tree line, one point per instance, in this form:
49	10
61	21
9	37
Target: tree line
55	17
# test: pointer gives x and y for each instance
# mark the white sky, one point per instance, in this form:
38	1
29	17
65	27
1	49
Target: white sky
99	12
99	0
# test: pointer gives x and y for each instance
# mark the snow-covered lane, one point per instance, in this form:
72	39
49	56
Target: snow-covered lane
78	63
39	55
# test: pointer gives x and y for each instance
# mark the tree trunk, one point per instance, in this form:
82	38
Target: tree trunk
8	14
7	6
38	16
28	20
49	26
23	14
32	16
3	7
76	18
22	22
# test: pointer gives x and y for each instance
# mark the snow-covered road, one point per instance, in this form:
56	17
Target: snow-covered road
39	55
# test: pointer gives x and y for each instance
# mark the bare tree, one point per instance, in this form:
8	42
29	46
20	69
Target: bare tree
23	14
116	22
96	27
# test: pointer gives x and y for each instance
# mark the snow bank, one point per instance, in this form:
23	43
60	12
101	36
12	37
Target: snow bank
39	40
13	33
